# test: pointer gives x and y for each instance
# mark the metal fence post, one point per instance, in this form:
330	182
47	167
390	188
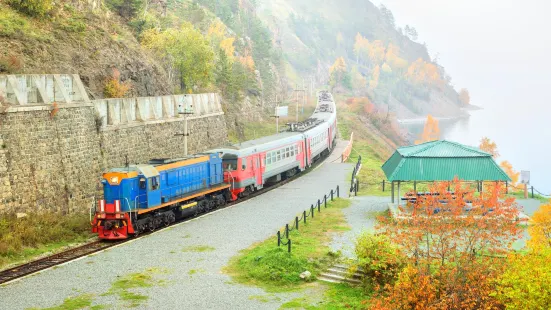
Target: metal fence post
287	231
278	238
331	195
312	210
296	222
383	185
325	201
532	187
289	245
357	186
319	205
338	192
304	216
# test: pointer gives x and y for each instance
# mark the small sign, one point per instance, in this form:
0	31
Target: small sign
524	177
282	111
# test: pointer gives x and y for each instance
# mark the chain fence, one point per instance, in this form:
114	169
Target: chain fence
284	235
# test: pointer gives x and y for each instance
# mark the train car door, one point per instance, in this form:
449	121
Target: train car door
329	138
151	180
257	170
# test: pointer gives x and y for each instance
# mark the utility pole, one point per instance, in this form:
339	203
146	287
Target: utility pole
297	102
185	112
296	106
276	115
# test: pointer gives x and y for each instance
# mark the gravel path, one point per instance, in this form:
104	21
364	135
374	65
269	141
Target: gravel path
191	279
360	217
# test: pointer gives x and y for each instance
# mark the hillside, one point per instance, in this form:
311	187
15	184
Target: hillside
382	61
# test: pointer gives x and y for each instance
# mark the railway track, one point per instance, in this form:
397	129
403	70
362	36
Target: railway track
26	269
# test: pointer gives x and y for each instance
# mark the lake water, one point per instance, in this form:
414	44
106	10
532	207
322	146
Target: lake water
522	138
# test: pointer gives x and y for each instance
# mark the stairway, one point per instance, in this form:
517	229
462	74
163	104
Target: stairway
340	274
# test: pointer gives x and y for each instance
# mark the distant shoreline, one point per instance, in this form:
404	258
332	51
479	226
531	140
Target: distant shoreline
472	107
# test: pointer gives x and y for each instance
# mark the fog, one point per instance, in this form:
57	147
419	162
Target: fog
501	52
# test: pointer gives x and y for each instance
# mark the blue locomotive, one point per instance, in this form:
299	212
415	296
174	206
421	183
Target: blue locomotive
138	198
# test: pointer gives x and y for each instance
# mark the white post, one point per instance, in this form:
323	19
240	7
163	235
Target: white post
185	134
296	106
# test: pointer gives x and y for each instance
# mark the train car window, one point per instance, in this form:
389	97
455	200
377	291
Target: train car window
278	155
244	164
153	183
288	153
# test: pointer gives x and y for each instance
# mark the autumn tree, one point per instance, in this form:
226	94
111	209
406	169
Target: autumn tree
114	88
431	131
526	282
540	228
376	52
464	97
186	51
337	72
393	59
451	241
489	146
508	168
374	81
422	72
361	48
358	80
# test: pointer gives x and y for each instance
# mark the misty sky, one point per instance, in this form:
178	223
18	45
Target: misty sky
501	51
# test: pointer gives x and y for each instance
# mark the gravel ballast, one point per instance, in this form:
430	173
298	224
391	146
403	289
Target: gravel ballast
188	257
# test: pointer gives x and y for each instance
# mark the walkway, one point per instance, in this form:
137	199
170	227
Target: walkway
192	255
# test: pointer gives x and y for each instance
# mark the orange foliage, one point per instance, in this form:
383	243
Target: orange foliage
508	168
376	52
489	146
54	110
431	131
450	240
421	71
393	60
247	61
114	88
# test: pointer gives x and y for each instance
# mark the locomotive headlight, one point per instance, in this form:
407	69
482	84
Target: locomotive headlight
115	180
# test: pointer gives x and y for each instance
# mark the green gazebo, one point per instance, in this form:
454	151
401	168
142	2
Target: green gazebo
441	160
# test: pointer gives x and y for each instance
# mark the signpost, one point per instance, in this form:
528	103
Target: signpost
185	110
280	111
525	179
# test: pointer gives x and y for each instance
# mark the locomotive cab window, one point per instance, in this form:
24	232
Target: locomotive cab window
153	183
142	183
229	162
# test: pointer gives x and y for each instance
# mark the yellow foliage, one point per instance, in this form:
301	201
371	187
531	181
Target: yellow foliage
361	47
393	60
338	66
386	68
489	146
217	30
431	131
227	46
376	51
508	168
421	71
374	82
540	228
114	88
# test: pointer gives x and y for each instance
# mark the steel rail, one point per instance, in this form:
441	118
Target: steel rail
29	268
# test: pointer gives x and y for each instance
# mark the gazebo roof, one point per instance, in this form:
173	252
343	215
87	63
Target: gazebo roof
442	161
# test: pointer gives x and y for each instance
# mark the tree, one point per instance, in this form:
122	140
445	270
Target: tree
374	82
358	80
489	146
387	15
464	97
540	228
361	47
431	131
186	51
126	8
227	46
452	240
376	52
114	88
526	282
508	168
411	32
337	71
35	8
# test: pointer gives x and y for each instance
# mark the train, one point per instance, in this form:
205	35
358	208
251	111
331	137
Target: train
145	197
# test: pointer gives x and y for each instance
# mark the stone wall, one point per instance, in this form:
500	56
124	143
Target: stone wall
53	160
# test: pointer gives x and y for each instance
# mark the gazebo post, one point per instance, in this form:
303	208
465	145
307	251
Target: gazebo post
398	198
392	191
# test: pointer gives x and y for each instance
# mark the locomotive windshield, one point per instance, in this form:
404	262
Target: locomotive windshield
229	162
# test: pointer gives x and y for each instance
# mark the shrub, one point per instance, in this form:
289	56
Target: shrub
526	283
33	8
381	260
114	88
9	64
125	8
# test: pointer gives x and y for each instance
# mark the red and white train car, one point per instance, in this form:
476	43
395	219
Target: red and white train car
248	166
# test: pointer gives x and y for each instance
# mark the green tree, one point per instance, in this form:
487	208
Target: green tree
32	7
187	52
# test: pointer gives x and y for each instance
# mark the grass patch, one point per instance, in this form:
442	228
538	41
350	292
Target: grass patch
31	236
198	248
73	303
123	286
195	271
336	296
271	267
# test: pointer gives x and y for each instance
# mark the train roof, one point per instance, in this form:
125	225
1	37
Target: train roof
261	144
